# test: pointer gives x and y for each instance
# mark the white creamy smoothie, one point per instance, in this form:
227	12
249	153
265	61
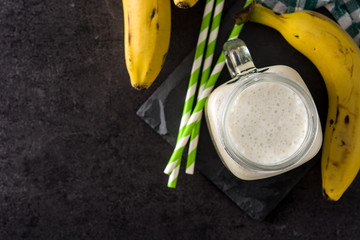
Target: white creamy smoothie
263	122
267	122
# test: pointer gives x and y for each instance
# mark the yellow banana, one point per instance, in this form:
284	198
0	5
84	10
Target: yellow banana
337	57
147	30
185	3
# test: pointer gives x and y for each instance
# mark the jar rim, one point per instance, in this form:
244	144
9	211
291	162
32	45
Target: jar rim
247	81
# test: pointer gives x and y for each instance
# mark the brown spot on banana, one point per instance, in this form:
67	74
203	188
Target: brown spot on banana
337	109
351	70
280	15
335	164
153	13
157	26
129	35
327	162
347	119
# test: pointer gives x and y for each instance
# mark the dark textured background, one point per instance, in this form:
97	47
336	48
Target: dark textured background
77	163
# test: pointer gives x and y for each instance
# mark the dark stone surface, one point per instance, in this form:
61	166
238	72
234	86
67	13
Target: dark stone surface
77	163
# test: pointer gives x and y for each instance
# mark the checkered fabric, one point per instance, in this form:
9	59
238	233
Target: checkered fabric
346	12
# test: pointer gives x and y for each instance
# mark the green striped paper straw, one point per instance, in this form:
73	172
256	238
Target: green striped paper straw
194	77
197	112
201	100
210	48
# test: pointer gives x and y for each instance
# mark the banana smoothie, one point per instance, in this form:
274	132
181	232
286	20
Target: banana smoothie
263	122
267	123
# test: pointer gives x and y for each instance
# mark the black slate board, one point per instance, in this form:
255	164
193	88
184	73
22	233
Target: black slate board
162	111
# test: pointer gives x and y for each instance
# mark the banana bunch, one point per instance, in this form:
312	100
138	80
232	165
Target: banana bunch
185	3
147	26
337	57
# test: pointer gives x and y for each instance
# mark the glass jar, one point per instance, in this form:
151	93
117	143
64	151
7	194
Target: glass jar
263	122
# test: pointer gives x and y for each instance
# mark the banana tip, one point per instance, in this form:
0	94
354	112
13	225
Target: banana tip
184	5
327	197
139	87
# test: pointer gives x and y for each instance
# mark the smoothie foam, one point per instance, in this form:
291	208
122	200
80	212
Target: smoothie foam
267	122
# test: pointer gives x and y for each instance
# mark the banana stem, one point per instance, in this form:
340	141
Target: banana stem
258	14
266	16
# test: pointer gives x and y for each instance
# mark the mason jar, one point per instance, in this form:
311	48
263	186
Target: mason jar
263	122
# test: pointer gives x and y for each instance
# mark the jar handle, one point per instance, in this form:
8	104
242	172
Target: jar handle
238	58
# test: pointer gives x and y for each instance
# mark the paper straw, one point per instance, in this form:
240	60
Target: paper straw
195	116
194	78
210	48
197	112
201	101
195	71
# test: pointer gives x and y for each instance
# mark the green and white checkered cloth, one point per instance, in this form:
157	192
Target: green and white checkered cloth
346	12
